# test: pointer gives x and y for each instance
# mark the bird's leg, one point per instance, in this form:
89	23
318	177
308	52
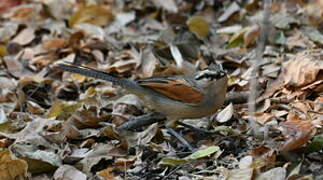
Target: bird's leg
171	131
141	121
198	130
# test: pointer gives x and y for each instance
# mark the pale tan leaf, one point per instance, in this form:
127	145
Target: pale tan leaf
67	172
93	14
11	167
297	132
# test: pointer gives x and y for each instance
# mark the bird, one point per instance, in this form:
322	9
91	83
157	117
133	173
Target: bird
191	96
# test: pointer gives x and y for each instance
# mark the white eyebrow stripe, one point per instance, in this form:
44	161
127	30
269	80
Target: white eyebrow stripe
206	72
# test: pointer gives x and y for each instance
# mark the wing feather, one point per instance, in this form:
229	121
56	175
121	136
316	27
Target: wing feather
174	89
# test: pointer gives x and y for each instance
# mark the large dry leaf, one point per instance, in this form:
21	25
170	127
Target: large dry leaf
168	5
262	118
278	173
93	14
25	36
5	5
67	172
232	9
95	155
14	66
12	167
27	145
245	171
297	131
25	13
198	25
226	114
303	69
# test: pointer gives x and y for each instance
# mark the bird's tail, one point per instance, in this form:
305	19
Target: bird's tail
86	71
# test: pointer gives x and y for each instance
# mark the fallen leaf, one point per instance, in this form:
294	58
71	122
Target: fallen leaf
226	114
12	167
203	153
278	173
93	14
14	66
5	5
25	36
107	174
297	132
302	70
313	34
229	11
171	161
198	25
262	118
68	172
95	155
251	35
237	39
62	109
168	5
245	171
24	12
3	50
283	20
54	43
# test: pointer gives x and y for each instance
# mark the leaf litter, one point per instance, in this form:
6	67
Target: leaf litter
59	125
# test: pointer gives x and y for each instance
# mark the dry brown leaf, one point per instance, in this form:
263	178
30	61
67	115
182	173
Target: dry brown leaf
12	167
303	106
297	132
25	36
54	43
264	157
14	66
86	118
302	70
148	63
24	13
232	9
262	118
98	152
278	173
124	62
168	5
245	170
67	172
7	4
93	14
3	50
126	163
250	36
106	174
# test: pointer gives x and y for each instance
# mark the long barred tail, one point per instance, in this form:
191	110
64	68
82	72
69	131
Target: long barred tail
123	82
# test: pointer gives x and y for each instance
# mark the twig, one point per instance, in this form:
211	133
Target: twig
255	69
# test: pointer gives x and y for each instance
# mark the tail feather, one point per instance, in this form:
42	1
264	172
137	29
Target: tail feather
98	74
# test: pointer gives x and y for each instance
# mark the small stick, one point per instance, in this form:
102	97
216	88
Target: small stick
255	69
